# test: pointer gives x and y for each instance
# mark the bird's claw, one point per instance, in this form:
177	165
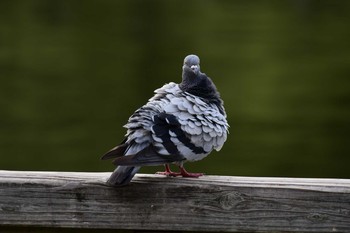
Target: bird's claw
192	175
182	173
169	174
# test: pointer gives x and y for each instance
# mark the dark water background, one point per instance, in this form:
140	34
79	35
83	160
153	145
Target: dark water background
72	72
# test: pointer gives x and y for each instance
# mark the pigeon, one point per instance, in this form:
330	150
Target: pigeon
181	122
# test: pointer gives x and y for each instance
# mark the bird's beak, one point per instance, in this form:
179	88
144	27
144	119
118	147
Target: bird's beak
194	67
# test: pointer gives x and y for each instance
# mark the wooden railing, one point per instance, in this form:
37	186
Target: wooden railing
153	202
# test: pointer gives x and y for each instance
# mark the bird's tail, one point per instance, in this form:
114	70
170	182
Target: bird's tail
122	175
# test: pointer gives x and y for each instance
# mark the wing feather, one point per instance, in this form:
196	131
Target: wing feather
147	157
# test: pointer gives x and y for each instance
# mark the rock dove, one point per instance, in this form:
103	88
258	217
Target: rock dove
181	122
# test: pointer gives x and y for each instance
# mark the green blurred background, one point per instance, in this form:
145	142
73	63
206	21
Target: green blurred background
72	72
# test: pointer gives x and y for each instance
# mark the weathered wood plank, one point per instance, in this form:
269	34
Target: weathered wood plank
152	202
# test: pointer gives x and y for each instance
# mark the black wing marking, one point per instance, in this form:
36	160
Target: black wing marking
163	123
187	142
170	123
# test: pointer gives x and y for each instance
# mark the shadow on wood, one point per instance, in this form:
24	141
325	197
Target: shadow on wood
153	202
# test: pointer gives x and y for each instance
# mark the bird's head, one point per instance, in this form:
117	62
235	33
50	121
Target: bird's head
197	83
191	64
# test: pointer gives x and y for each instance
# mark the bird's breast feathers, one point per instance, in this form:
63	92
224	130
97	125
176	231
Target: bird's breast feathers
178	122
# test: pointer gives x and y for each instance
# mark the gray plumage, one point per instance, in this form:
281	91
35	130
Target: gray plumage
181	122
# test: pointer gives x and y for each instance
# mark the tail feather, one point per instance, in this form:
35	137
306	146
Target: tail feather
115	152
122	175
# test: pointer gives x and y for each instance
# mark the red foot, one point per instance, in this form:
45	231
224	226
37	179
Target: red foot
168	172
182	173
172	174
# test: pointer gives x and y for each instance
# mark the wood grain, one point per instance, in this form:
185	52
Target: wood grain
153	202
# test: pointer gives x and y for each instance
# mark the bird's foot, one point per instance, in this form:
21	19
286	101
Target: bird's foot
169	173
182	173
187	174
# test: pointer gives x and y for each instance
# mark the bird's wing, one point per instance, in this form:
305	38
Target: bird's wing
202	123
161	150
147	157
214	129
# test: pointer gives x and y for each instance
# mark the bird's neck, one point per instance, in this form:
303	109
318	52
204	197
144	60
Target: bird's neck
200	85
